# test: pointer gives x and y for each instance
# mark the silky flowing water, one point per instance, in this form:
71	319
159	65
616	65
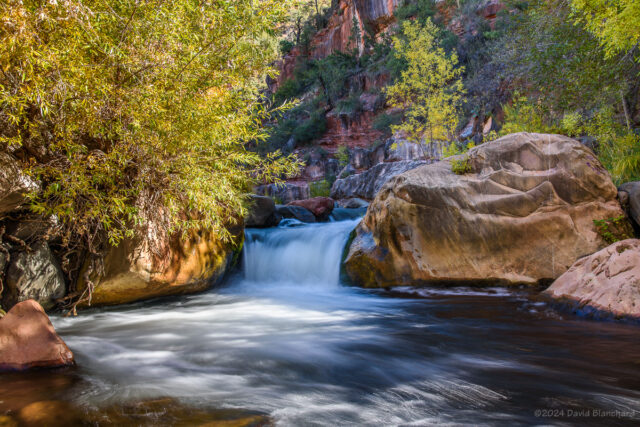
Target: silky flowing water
284	337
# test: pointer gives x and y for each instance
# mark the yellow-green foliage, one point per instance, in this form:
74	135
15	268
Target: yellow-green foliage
108	101
523	115
462	165
613	230
320	188
342	155
615	23
430	88
618	147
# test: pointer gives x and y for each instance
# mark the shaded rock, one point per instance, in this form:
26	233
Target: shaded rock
360	158
14	185
354	203
608	281
4	260
523	215
28	339
262	213
297	212
156	263
366	184
33	228
50	413
331	168
632	205
285	193
396	150
348	170
321	207
33	275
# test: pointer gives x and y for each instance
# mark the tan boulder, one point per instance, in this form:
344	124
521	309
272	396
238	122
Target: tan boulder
28	339
160	265
523	214
608	280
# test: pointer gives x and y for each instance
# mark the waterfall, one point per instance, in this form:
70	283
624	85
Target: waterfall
301	255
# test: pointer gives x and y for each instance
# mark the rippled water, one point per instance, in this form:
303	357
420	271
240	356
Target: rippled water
285	338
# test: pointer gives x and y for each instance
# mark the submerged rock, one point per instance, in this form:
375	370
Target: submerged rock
170	412
50	413
321	207
28	339
523	214
262	213
608	280
33	275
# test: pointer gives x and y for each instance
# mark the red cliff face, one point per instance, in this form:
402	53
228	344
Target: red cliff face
376	15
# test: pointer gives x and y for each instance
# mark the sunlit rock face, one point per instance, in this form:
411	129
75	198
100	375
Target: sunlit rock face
523	214
607	281
157	263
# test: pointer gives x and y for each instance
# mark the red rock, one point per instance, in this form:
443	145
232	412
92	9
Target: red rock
28	339
321	207
608	280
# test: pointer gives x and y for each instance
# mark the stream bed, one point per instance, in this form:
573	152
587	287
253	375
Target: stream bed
285	338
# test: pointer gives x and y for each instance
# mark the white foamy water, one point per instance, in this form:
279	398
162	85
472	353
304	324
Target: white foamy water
285	337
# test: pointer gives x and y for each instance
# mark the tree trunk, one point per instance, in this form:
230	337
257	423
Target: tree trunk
625	109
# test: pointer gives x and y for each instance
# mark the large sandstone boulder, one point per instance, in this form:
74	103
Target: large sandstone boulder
366	184
28	339
321	207
522	215
14	185
608	281
262	213
33	274
156	264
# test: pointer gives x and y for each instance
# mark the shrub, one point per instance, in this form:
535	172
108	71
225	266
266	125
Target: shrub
312	128
461	166
320	188
342	155
613	230
384	121
286	47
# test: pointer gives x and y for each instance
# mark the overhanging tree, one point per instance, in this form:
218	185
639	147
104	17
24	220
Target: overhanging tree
110	103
